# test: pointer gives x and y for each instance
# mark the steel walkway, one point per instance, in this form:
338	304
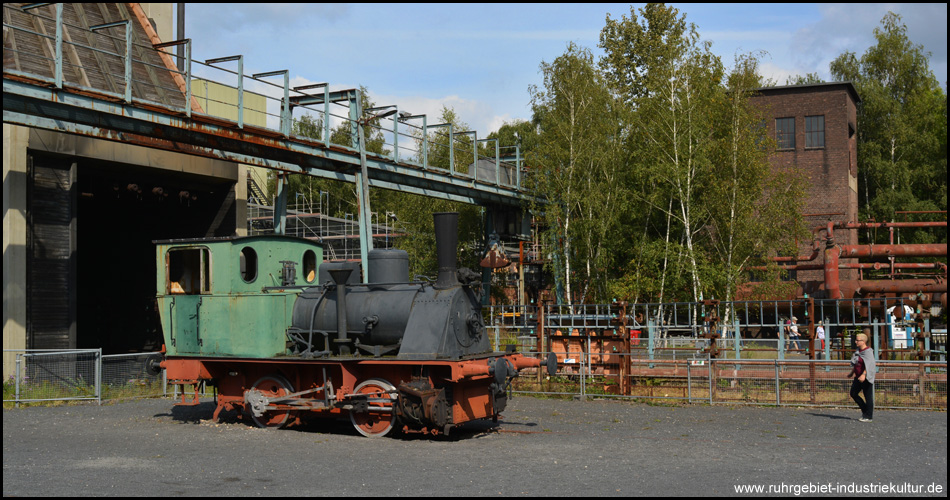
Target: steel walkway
140	108
100	71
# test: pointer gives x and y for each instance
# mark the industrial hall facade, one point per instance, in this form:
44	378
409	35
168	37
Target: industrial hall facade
80	213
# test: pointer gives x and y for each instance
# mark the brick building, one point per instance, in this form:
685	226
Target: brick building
815	130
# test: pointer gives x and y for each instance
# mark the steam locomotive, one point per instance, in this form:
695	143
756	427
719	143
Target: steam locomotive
391	353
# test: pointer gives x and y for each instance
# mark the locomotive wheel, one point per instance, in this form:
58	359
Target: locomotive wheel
373	423
272	386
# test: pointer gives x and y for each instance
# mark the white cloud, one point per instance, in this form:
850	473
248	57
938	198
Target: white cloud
779	74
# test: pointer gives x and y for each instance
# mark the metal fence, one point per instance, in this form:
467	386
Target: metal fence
898	384
39	375
738	330
662	351
86	374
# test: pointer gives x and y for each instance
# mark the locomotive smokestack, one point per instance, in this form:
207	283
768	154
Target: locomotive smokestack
446	246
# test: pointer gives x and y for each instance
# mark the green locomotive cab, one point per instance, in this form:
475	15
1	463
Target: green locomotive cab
232	297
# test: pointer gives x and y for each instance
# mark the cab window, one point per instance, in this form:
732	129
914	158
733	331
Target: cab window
248	264
310	265
188	271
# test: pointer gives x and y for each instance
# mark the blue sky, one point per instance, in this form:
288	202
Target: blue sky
480	59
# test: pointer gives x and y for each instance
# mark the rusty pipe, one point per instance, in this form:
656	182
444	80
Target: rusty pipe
870	265
832	285
830	226
833	252
801	258
902	286
915	250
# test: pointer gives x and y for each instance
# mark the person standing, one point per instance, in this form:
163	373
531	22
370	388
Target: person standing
820	335
793	334
863	368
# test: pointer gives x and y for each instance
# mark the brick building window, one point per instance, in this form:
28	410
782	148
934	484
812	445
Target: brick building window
814	131
785	133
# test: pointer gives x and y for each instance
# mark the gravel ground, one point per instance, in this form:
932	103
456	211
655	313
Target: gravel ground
541	447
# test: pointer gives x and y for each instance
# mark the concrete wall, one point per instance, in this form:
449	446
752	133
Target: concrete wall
15	140
162	16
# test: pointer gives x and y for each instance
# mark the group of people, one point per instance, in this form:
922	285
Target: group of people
794	336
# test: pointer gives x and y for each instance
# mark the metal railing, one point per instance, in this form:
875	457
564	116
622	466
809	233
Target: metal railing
53	375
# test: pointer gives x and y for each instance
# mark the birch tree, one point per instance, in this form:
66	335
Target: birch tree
578	169
754	210
671	81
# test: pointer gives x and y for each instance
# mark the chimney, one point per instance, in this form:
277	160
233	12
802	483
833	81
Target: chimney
446	246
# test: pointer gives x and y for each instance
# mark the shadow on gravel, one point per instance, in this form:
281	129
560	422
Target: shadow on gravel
189	414
832	417
202	413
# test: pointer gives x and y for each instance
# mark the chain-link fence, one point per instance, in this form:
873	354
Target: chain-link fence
52	375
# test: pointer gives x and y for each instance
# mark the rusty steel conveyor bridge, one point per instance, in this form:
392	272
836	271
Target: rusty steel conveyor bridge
96	70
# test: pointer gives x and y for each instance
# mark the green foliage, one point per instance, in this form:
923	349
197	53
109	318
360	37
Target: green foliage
697	160
808	79
522	133
670	79
652	273
753	209
577	170
902	127
308	126
653	165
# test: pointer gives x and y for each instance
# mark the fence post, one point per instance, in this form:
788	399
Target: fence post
17	382
736	335
778	389
98	365
689	382
651	339
781	342
712	384
583	377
